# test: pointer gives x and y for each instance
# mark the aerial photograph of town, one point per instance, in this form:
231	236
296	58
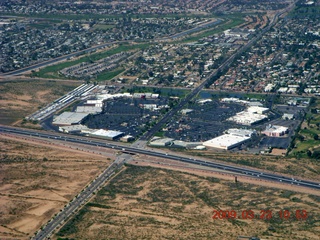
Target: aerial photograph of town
160	119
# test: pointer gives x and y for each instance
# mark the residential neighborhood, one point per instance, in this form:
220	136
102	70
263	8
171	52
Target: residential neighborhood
160	119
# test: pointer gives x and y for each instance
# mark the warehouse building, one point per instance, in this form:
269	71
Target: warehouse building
247	118
288	116
241	132
106	134
88	109
73	129
127	138
275	131
234	137
68	118
161	142
226	141
256	109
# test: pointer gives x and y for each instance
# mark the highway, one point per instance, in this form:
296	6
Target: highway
72	207
55	60
236	170
94	48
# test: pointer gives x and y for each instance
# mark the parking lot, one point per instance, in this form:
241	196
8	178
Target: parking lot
204	122
126	115
200	122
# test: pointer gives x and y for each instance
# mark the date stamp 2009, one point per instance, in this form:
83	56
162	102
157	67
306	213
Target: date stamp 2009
263	214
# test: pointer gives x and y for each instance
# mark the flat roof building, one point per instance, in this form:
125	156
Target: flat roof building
73	128
107	134
127	138
68	118
287	116
275	131
88	109
226	141
256	109
161	142
241	132
247	118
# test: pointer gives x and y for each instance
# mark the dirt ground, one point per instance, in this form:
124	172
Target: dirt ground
207	172
305	168
19	98
37	179
150	203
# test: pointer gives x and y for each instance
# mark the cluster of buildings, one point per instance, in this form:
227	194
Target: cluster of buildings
70	122
83	91
127	7
95	106
184	65
285	60
23	44
254	113
92	69
97	133
251	116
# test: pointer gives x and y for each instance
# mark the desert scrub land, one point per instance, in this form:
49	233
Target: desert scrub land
150	203
37	181
303	167
20	98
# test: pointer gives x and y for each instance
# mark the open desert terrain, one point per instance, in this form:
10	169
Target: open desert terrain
19	98
37	180
149	203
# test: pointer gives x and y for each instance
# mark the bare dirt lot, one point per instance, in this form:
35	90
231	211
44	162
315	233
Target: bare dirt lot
36	181
19	98
149	203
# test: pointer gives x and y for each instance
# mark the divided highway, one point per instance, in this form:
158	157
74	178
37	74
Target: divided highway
46	231
237	170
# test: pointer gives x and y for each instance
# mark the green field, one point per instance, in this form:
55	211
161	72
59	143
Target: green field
53	71
227	23
101	16
306	143
109	75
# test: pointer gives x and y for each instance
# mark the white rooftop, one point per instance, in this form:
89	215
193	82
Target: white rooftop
240	132
88	109
247	118
77	127
225	141
107	133
69	118
275	129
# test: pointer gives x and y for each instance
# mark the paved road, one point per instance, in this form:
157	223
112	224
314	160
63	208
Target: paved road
65	57
147	136
55	60
237	170
72	207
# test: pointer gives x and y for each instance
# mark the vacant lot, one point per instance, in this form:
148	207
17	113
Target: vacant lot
149	203
307	168
37	181
22	97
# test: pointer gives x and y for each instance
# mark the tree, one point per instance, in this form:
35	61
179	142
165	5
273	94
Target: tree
309	153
